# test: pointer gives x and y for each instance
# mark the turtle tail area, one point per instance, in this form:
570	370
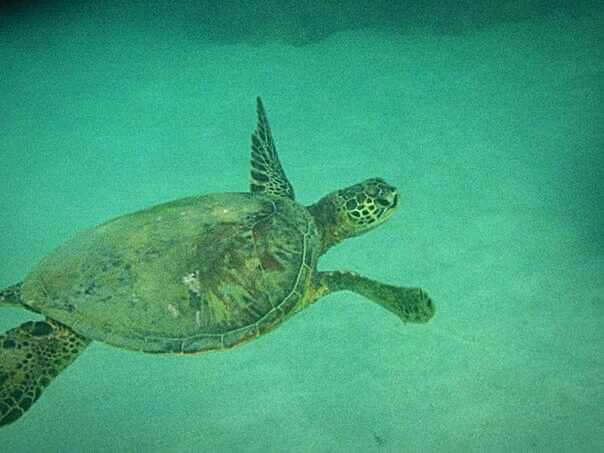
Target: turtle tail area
11	295
31	355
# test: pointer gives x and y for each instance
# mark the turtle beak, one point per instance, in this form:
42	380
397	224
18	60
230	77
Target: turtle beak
389	199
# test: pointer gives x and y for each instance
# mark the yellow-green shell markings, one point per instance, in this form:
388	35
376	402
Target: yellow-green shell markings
197	274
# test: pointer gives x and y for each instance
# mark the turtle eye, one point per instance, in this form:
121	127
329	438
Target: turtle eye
371	191
383	202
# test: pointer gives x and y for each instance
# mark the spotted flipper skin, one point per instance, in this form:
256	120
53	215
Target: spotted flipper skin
267	173
31	355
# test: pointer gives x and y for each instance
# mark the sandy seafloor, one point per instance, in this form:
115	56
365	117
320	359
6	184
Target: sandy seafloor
496	142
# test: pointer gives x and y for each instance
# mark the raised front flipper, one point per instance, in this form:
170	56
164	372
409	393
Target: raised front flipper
267	174
31	355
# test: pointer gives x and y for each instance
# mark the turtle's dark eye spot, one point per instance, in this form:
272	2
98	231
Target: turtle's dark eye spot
372	191
383	202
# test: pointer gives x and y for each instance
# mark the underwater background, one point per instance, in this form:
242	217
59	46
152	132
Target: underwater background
489	118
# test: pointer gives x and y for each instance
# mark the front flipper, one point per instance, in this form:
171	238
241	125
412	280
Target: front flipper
31	355
267	174
409	304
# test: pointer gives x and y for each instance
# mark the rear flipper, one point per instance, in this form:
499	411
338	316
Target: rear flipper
11	295
31	355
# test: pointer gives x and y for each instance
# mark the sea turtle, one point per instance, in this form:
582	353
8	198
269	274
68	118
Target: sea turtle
204	273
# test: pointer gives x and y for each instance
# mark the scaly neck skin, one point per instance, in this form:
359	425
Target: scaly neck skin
326	217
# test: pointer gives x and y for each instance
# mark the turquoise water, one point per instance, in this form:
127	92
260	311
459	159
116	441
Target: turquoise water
489	120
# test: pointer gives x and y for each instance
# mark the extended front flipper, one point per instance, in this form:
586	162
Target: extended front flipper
267	174
31	355
409	304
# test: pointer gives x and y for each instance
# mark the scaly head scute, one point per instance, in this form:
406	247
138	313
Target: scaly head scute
354	210
364	206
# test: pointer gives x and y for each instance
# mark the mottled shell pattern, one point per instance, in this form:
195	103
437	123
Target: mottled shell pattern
197	274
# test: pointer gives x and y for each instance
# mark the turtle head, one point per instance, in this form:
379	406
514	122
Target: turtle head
364	206
354	210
